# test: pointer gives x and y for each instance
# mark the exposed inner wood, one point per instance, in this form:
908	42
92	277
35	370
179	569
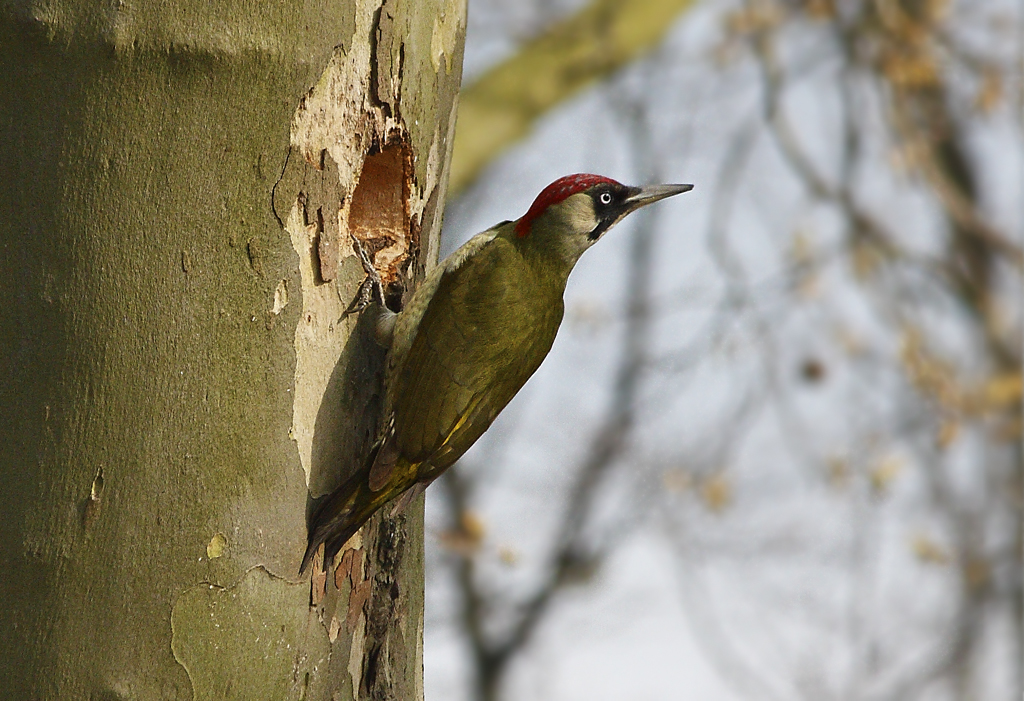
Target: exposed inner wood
379	210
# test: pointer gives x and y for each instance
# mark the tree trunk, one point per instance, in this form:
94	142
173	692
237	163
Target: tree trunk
178	183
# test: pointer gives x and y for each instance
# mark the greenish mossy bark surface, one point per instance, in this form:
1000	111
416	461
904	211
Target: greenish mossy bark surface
158	166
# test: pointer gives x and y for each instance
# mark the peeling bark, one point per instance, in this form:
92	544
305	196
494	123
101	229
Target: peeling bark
178	189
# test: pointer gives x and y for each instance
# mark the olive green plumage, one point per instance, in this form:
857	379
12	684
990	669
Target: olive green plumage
468	339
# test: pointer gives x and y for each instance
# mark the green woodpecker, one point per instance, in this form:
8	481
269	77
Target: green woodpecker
467	341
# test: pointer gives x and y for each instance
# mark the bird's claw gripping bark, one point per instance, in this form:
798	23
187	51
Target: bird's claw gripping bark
370	289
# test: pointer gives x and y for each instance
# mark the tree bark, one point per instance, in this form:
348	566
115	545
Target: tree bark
178	184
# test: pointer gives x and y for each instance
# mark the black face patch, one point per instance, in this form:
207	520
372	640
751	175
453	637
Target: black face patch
609	206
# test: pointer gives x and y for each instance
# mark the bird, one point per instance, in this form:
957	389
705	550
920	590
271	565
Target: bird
468	339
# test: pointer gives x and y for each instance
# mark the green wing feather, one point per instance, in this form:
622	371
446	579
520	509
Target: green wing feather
472	339
482	336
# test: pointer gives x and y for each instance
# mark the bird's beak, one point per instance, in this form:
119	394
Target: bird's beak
652	193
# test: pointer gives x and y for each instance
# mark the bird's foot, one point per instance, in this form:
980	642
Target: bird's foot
370	289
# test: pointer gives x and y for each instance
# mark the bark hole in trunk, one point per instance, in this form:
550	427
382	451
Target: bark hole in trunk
378	213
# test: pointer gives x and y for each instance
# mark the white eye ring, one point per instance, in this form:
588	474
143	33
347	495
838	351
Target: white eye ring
606	198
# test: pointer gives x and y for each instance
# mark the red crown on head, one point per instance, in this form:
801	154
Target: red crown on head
555	193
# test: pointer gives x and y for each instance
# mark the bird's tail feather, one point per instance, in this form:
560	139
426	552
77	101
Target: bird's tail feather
335	520
343	513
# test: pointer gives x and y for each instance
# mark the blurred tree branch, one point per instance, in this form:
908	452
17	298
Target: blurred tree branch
499	108
954	272
891	42
576	553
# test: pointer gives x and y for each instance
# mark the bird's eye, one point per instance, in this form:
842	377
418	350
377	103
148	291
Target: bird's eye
606	198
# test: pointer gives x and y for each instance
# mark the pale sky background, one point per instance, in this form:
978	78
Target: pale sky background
781	570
